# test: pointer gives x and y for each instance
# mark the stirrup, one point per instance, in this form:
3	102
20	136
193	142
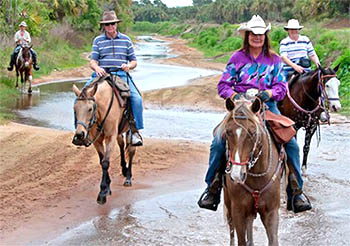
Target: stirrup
212	205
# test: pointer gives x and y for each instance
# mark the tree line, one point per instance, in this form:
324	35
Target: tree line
236	11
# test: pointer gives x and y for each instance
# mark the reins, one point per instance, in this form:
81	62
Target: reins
256	193
321	98
93	119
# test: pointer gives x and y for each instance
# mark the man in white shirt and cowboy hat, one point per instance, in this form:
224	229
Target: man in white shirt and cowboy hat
295	51
22	38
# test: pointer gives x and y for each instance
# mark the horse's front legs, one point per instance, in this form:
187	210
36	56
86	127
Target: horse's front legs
30	78
104	161
270	220
308	136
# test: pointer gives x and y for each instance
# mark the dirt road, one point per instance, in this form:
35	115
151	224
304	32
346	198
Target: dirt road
47	183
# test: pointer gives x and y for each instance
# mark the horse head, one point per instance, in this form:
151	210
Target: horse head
243	132
26	55
85	112
331	83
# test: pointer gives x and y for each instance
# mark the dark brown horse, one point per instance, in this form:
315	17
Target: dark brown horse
99	116
253	173
309	95
24	67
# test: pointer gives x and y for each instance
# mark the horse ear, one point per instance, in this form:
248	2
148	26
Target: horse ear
92	92
336	68
76	90
230	105
256	105
322	69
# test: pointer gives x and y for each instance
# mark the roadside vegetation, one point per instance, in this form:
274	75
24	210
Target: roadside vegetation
62	30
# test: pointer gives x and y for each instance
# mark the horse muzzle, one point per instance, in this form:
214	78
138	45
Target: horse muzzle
79	139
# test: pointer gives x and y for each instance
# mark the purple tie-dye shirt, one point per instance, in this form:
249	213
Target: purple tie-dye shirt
242	73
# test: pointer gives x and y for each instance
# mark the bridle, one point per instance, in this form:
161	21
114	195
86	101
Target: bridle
321	99
93	120
256	193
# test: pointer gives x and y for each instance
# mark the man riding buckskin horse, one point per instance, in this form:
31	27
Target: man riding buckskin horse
22	38
254	66
113	52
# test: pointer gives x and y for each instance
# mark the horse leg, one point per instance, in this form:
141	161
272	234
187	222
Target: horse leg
250	221
131	153
17	75
308	136
228	215
270	220
121	145
105	181
241	227
30	81
22	81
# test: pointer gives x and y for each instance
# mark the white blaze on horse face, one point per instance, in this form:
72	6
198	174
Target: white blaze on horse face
332	86
237	170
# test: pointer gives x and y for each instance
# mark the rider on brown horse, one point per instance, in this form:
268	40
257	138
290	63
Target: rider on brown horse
255	65
22	38
295	51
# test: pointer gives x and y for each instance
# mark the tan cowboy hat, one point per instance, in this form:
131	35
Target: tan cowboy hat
256	25
293	24
23	23
109	17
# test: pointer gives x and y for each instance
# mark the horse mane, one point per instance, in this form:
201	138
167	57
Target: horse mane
242	109
300	77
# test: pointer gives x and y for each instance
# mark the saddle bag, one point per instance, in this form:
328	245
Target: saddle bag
122	86
304	62
280	126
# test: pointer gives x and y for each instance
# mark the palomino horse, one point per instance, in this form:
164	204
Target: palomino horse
24	67
309	95
98	116
253	173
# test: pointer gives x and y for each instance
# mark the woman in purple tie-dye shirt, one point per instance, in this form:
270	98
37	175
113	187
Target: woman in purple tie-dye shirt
254	66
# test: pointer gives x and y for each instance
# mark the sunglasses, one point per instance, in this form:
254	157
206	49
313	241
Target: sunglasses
108	24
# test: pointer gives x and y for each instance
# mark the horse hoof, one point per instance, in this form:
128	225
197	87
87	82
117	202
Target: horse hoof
127	183
30	91
101	199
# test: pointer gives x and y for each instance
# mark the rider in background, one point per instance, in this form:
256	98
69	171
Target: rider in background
295	51
22	38
254	66
113	51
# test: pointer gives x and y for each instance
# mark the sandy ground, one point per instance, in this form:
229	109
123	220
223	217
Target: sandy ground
44	177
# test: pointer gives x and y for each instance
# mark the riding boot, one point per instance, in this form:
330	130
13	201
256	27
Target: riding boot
12	62
210	199
133	137
299	202
35	65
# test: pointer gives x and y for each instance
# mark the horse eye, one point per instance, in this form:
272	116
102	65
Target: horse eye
90	109
327	86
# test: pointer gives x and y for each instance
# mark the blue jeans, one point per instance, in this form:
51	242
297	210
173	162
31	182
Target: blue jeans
218	152
135	98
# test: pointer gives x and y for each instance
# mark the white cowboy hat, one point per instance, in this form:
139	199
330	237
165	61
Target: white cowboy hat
23	23
293	24
109	17
256	25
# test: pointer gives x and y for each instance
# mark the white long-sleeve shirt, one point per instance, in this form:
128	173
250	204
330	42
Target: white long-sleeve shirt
22	38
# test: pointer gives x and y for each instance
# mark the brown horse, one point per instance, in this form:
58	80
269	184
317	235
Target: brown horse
24	67
253	173
98	116
309	95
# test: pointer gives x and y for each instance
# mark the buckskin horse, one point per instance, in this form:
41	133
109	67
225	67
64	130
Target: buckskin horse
99	115
307	96
24	67
253	173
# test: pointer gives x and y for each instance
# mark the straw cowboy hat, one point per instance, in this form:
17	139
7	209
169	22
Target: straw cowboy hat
256	25
109	17
23	23
293	24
